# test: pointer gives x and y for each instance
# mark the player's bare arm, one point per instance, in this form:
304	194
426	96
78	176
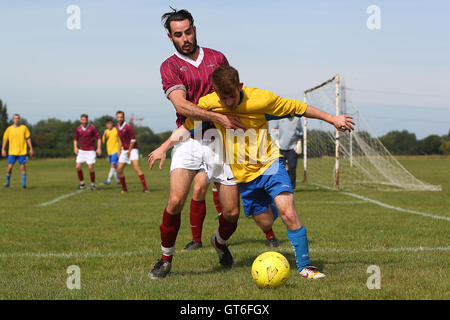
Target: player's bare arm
341	123
99	147
130	148
75	146
189	109
30	147
179	135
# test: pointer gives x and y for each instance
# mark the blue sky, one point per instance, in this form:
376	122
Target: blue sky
398	75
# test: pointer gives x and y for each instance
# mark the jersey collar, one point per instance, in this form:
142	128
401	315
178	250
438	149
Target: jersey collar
195	63
121	126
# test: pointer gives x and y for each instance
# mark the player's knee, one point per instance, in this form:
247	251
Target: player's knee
199	191
290	218
175	204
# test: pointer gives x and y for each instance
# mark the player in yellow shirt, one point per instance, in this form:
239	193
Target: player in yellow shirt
17	136
111	139
263	182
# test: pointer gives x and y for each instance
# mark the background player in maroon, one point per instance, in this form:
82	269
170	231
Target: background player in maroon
129	152
87	134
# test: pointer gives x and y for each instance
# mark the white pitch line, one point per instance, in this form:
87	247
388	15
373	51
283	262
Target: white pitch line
63	197
60	198
381	204
210	250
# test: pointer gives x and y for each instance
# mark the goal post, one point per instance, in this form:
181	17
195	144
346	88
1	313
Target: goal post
349	160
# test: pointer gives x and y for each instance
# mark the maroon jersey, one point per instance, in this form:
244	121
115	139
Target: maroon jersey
126	135
181	72
87	137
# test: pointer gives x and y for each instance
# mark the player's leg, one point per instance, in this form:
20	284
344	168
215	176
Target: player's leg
229	200
215	193
296	232
78	167
180	184
23	172
135	163
120	172
111	170
197	211
292	159
92	175
278	187
11	162
265	222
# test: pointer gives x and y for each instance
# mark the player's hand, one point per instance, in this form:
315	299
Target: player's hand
31	152
99	152
343	123
75	150
229	121
129	153
158	154
3	153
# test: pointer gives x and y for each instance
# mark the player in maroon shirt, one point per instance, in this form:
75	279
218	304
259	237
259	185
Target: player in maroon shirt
185	77
87	134
128	151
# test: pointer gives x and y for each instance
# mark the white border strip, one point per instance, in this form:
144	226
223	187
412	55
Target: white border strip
381	204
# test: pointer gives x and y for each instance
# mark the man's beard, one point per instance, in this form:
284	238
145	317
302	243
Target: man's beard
192	51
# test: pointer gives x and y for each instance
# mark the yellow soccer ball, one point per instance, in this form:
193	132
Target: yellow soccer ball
270	269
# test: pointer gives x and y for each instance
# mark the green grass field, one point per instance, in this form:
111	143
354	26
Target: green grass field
114	239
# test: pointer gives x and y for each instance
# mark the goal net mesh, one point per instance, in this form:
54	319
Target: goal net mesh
364	162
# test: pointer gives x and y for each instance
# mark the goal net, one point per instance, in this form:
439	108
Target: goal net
349	160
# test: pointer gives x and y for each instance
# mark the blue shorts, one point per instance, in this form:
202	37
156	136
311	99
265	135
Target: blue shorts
13	159
258	194
114	158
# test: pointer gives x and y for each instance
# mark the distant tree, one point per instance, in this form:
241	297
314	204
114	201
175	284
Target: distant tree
431	144
400	142
3	118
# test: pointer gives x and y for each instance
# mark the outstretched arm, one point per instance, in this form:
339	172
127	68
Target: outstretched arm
341	123
177	136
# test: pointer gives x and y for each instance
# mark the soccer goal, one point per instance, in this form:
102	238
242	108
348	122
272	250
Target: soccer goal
349	160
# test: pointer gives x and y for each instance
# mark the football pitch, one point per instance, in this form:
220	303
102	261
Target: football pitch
114	240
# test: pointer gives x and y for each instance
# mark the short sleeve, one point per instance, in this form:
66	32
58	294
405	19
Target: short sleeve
27	133
76	135
170	78
6	134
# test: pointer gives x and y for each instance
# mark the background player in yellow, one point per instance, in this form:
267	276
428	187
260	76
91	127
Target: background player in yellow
111	139
263	182
17	136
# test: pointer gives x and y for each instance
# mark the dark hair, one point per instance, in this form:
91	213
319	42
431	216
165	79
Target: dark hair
84	115
109	120
120	112
225	79
176	15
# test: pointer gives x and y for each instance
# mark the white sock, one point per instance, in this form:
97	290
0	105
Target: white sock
110	174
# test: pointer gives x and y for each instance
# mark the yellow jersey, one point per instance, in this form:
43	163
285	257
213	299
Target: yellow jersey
250	153
111	138
17	138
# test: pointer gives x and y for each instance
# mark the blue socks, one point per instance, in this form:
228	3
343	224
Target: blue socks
8	179
24	180
300	245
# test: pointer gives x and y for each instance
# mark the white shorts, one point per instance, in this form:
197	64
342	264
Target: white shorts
124	158
86	156
201	156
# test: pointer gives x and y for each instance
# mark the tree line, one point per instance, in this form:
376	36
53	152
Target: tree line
52	138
